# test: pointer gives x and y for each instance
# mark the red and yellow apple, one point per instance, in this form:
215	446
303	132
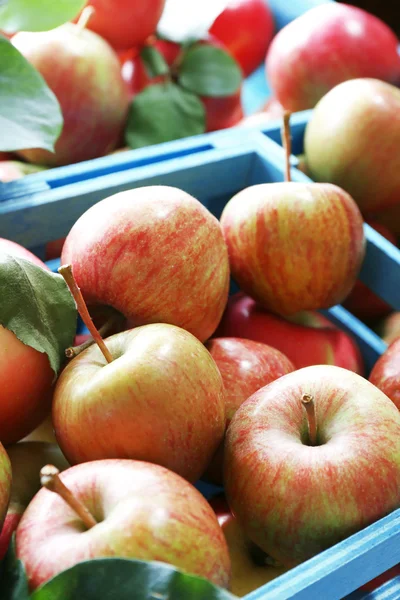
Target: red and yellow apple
5	483
386	372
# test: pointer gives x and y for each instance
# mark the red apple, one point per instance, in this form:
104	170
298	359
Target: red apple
143	511
25	375
5	483
306	339
299	488
85	75
329	44
27	458
386	372
355	115
246	28
247	575
125	23
294	246
361	301
156	255
160	400
245	367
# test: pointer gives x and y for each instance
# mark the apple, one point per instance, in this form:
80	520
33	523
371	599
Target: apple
5	483
245	367
327	45
294	246
389	328
84	73
11	170
354	116
386	372
306	339
161	400
16	249
142	510
123	23
247	574
156	255
270	111
27	458
246	28
362	301
310	459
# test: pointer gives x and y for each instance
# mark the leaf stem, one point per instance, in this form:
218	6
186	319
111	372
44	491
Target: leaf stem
50	479
287	143
308	403
66	272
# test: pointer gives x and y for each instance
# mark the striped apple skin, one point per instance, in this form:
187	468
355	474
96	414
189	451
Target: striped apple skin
294	246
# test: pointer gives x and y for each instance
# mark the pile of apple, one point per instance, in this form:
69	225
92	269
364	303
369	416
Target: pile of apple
186	387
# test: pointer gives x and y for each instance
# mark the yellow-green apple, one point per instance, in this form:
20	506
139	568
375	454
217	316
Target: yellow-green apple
386	372
11	170
5	483
84	73
247	574
25	374
310	459
245	367
123	23
161	400
329	44
306	339
354	116
27	458
156	255
294	246
142	511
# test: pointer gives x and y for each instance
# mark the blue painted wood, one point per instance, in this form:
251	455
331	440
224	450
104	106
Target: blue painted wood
287	10
387	591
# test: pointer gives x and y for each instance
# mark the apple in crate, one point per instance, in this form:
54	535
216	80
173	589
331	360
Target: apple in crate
245	367
306	339
84	73
156	255
310	459
5	483
347	123
386	372
27	458
329	44
294	246
128	509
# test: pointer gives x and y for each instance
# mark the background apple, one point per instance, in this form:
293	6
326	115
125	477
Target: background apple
306	339
18	250
11	170
27	458
329	44
389	328
245	367
84	73
5	483
294	246
143	511
295	499
181	273
161	400
386	372
355	115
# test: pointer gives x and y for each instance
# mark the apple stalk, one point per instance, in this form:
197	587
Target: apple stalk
308	403
66	272
50	479
286	143
73	351
85	17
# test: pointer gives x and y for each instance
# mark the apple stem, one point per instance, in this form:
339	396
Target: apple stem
85	17
73	351
287	143
50	479
308	403
66	272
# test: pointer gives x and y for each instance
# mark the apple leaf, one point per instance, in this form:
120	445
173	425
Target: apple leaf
99	579
30	115
154	62
37	306
13	580
37	15
209	71
161	113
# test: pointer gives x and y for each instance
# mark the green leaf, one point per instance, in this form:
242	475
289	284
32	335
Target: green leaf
37	306
154	62
30	115
37	15
161	113
112	578
13	580
209	71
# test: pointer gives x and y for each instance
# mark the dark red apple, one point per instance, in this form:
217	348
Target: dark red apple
307	339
